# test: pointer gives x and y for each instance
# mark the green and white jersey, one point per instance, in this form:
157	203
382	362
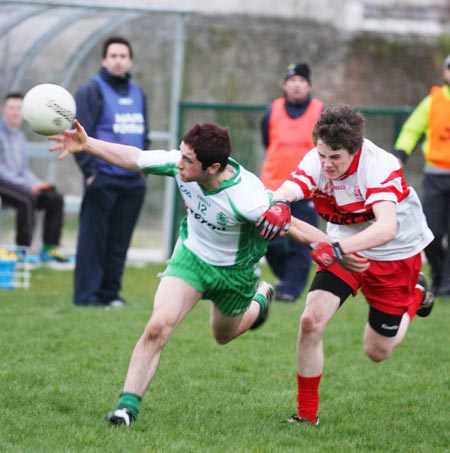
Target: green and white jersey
220	225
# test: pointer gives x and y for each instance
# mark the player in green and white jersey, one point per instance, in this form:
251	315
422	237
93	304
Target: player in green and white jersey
220	223
218	250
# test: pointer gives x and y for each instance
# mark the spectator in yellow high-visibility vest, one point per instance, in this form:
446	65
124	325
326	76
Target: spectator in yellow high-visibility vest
431	119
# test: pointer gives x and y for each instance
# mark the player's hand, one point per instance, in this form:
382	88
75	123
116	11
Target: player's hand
355	263
326	254
277	219
70	142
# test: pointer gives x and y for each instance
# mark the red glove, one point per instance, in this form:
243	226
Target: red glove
276	218
326	254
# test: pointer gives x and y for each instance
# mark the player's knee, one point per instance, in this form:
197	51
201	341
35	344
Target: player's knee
377	353
156	331
222	338
310	324
380	335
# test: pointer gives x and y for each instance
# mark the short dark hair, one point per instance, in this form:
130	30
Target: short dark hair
13	95
340	127
210	143
116	40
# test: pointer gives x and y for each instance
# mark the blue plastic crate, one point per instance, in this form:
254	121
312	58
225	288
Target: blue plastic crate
8	270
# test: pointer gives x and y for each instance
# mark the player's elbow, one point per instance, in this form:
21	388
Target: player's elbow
377	353
387	232
391	232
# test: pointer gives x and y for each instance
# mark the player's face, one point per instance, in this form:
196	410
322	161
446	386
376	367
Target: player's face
190	168
118	60
334	162
296	89
12	113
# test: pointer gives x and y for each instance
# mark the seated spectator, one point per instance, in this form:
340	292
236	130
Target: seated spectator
23	190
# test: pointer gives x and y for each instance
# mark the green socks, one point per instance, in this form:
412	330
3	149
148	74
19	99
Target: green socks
130	401
262	301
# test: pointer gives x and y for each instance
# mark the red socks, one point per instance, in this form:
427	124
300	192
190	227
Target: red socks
308	397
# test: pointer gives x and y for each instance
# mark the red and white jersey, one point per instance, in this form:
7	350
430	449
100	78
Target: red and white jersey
346	204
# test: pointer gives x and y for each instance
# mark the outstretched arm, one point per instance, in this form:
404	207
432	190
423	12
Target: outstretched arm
379	232
276	220
76	140
308	234
285	192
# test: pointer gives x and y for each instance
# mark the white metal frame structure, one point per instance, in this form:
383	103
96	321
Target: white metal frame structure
15	13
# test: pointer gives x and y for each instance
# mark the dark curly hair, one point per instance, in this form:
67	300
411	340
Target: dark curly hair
211	144
340	127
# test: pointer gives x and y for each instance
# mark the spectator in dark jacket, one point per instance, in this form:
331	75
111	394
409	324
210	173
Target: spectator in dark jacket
113	108
287	136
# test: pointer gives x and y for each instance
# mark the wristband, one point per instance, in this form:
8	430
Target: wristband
281	201
338	252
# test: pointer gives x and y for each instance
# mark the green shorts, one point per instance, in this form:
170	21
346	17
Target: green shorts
230	288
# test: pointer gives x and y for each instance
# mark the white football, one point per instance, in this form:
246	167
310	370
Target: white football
48	109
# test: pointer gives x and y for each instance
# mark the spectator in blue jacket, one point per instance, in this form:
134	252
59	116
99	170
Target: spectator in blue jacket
113	108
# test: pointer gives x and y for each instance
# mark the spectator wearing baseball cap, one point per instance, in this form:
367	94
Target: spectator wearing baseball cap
287	136
298	69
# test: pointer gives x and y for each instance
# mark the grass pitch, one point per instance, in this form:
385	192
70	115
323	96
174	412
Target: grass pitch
62	368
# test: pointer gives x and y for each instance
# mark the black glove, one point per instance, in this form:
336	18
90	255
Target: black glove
400	155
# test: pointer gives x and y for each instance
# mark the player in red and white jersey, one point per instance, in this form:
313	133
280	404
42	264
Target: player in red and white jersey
360	190
346	203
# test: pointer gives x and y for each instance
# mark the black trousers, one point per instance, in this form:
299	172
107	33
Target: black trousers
25	204
109	213
436	206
